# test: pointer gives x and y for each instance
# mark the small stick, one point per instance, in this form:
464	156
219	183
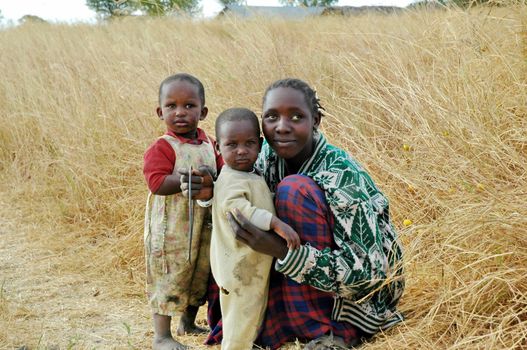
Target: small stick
190	213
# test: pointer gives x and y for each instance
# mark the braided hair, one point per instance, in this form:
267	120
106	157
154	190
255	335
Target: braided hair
310	94
184	77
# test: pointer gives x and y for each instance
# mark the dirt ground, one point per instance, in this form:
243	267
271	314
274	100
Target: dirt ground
44	306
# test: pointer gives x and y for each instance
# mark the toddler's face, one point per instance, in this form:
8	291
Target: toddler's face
181	108
239	144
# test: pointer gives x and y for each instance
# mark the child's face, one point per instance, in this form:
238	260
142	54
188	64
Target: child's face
239	144
288	124
181	108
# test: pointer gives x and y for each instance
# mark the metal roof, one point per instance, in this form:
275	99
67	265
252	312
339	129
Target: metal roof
290	12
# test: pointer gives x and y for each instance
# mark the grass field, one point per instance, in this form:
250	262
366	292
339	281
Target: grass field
433	104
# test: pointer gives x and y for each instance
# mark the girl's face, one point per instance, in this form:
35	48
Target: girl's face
181	108
288	124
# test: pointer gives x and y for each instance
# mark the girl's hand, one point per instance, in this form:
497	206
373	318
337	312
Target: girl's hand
202	183
258	240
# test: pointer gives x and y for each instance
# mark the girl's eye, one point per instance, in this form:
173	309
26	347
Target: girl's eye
270	117
296	117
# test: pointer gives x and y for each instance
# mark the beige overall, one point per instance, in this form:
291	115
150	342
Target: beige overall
173	282
242	274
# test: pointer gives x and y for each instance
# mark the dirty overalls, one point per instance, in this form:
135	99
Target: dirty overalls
173	282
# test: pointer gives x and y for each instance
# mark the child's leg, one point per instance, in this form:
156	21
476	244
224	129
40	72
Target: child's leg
187	323
163	339
214	313
243	304
200	278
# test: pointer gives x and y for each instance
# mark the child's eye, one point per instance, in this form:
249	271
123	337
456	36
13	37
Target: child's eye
270	117
189	105
170	106
296	117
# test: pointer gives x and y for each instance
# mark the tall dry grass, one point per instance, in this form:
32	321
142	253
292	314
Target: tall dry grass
433	104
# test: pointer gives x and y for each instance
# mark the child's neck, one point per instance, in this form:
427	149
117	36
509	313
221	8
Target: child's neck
191	135
251	170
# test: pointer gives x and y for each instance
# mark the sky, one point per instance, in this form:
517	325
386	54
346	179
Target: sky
76	10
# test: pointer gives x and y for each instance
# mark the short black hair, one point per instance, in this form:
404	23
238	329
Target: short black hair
310	94
186	77
235	115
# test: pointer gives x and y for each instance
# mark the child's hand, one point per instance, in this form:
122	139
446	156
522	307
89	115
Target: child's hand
207	175
202	184
286	232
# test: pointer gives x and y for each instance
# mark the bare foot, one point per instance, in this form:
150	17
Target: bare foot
327	342
183	329
187	322
168	343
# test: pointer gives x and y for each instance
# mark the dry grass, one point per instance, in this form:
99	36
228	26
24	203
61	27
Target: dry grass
433	104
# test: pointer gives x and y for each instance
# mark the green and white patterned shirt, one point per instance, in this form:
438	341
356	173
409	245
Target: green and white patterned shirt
365	272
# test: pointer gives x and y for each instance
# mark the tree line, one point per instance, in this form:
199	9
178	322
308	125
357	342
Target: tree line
115	8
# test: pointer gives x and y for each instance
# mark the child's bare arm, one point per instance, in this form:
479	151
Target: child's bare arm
171	185
286	232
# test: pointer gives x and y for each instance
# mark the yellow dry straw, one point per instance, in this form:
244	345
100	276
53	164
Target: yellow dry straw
78	110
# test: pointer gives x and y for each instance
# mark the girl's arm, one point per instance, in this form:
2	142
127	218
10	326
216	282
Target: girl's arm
159	160
286	232
342	271
171	185
259	240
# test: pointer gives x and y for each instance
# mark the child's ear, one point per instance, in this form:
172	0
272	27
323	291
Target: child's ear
159	112
204	113
217	147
